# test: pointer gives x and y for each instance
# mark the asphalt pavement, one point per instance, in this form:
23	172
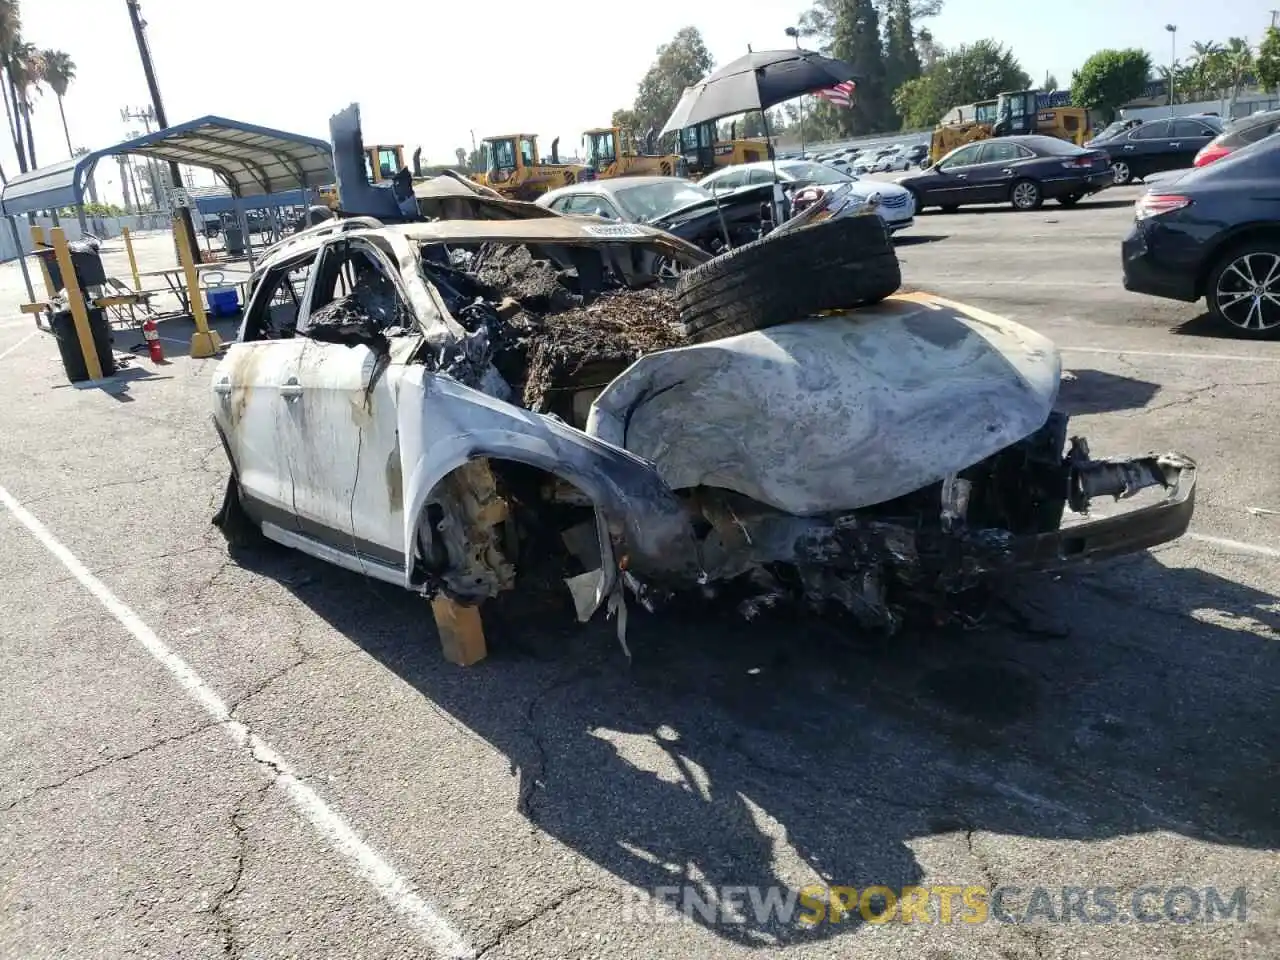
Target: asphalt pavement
267	757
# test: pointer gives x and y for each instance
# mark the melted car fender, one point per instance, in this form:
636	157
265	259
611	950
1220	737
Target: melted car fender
445	424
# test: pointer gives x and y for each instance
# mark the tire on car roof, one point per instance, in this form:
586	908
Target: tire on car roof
834	264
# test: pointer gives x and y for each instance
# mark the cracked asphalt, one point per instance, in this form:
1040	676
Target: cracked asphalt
1108	728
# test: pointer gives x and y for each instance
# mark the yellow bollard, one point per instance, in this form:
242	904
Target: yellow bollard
75	299
133	262
37	241
204	342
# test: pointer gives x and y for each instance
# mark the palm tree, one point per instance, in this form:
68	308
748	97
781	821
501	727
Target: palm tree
1238	57
10	37
26	73
59	71
1201	68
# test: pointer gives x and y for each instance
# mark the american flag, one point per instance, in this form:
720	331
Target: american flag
841	95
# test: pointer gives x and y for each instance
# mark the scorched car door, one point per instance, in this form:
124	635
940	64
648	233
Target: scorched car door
341	437
250	387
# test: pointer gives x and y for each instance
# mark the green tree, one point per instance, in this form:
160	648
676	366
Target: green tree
1109	79
855	39
59	71
681	63
1266	66
902	62
969	73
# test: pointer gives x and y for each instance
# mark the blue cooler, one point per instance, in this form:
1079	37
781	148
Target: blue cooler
223	301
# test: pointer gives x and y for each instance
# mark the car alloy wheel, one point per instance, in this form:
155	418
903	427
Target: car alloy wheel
1026	195
1121	173
1246	292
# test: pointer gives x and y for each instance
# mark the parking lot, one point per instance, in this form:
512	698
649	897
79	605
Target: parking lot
208	758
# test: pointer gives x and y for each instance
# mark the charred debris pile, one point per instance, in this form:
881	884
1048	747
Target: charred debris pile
549	334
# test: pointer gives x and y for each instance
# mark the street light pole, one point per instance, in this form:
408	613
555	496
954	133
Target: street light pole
1173	59
794	34
144	52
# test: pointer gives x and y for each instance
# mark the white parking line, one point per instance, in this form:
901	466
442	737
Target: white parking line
372	867
5	353
1237	546
1171	355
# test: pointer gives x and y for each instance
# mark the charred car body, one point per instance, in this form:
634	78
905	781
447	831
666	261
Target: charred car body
399	406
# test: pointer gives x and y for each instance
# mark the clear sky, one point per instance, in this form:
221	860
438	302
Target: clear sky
428	72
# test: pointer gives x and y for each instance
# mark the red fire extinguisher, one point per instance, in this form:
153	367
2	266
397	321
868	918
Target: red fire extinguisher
153	340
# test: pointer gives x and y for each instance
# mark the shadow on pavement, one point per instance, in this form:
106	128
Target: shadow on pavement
1207	326
1095	391
1129	700
911	240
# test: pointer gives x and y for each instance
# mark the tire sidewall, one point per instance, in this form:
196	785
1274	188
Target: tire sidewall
1013	195
1211	288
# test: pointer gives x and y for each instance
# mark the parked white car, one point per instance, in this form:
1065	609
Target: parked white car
897	206
894	161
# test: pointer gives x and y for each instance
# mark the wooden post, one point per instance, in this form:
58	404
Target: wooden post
461	632
75	298
204	342
133	261
37	241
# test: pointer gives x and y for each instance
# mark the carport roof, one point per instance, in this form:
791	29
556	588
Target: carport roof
254	161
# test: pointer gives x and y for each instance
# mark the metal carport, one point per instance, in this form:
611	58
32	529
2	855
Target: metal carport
253	161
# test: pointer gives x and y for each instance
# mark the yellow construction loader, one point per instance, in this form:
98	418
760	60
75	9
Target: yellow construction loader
612	152
703	152
1018	112
513	167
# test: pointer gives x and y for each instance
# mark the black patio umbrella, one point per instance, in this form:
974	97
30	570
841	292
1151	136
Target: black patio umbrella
757	81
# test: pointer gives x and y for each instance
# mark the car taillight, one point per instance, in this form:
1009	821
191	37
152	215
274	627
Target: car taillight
1155	204
1078	163
1210	153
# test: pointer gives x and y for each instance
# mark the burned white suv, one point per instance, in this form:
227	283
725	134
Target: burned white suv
450	406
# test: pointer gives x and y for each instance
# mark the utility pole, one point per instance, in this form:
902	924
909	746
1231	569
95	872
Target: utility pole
1274	14
144	52
124	182
153	178
1173	59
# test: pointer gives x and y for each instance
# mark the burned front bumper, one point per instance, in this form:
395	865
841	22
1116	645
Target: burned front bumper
963	556
1109	536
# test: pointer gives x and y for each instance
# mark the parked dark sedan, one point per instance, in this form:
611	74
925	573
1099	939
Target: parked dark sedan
1157	145
1022	170
1214	232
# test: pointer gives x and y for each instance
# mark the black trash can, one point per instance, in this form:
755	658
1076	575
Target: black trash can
85	260
64	331
233	238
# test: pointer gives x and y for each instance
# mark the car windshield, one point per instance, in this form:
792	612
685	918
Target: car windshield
649	201
813	173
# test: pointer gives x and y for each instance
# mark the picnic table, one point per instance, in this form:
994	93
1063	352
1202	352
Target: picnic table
175	279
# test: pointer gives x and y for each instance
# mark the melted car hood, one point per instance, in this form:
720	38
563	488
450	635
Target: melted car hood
835	413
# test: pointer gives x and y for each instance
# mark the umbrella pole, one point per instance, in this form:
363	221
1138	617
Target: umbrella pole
773	160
